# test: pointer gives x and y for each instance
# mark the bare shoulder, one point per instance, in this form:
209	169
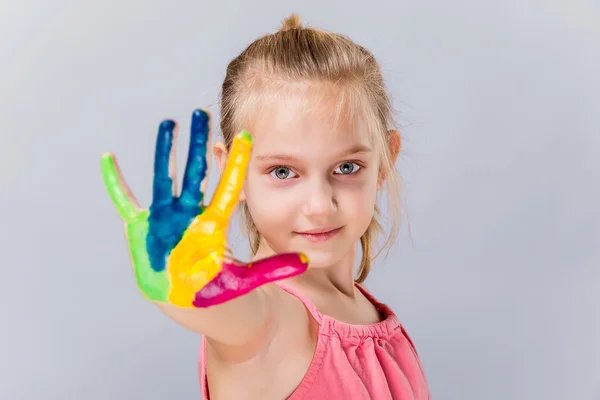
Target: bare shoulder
293	314
287	323
293	345
279	361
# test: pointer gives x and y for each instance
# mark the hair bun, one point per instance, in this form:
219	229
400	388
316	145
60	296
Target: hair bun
291	22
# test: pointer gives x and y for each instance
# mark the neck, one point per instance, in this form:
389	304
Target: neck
338	278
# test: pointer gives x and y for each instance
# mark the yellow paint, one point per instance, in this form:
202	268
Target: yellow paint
198	257
303	258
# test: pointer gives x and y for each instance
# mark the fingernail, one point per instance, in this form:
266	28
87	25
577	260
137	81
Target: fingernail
201	115
245	136
304	259
167	124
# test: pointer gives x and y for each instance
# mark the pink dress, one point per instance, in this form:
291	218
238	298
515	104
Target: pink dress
356	362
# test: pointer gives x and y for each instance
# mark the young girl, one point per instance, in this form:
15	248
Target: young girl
322	147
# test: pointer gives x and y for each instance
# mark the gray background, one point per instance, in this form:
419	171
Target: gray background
499	285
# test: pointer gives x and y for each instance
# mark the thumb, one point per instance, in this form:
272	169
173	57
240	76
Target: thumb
235	280
280	266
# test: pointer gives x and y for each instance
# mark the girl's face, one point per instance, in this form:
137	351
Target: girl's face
311	185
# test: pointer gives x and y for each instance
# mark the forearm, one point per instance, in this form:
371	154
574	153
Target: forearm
233	323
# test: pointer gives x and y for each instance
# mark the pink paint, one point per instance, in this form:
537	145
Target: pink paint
236	280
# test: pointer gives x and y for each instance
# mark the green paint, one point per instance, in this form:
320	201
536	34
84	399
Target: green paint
154	285
126	209
244	135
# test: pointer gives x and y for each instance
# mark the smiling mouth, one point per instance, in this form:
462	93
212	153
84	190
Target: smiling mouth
319	235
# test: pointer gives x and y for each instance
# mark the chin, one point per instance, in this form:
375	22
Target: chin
322	258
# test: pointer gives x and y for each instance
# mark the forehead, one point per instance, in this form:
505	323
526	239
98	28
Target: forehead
307	123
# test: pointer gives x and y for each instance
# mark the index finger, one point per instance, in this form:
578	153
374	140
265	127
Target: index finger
230	185
117	188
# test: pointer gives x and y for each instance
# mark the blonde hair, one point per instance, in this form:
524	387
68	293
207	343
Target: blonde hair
297	54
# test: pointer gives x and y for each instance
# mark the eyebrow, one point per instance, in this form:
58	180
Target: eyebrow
356	149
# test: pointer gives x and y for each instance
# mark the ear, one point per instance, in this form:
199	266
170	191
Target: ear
395	145
221	154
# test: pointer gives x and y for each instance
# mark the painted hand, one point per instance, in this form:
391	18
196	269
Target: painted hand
177	246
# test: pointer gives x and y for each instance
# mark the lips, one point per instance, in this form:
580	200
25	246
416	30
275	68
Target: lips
318	230
320	234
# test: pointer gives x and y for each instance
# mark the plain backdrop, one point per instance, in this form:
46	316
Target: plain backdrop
498	281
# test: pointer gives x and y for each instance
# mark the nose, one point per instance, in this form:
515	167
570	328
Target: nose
320	199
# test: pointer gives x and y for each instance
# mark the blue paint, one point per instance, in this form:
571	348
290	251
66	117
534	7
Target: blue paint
195	170
162	188
170	216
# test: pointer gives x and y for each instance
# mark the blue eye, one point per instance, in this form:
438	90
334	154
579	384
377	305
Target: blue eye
347	168
282	173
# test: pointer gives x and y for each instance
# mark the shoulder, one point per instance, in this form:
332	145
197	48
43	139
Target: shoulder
388	314
296	316
385	310
292	297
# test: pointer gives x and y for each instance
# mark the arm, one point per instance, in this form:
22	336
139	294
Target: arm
232	323
246	321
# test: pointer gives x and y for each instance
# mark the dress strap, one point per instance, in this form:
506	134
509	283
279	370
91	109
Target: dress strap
305	300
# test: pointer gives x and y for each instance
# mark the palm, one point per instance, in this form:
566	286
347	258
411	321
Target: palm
178	245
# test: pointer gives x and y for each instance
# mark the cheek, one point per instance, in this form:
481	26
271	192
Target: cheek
358	201
362	191
270	208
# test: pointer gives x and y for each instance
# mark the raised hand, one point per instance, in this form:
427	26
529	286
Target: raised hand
178	245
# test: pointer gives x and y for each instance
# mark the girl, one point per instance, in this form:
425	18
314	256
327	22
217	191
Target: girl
322	147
